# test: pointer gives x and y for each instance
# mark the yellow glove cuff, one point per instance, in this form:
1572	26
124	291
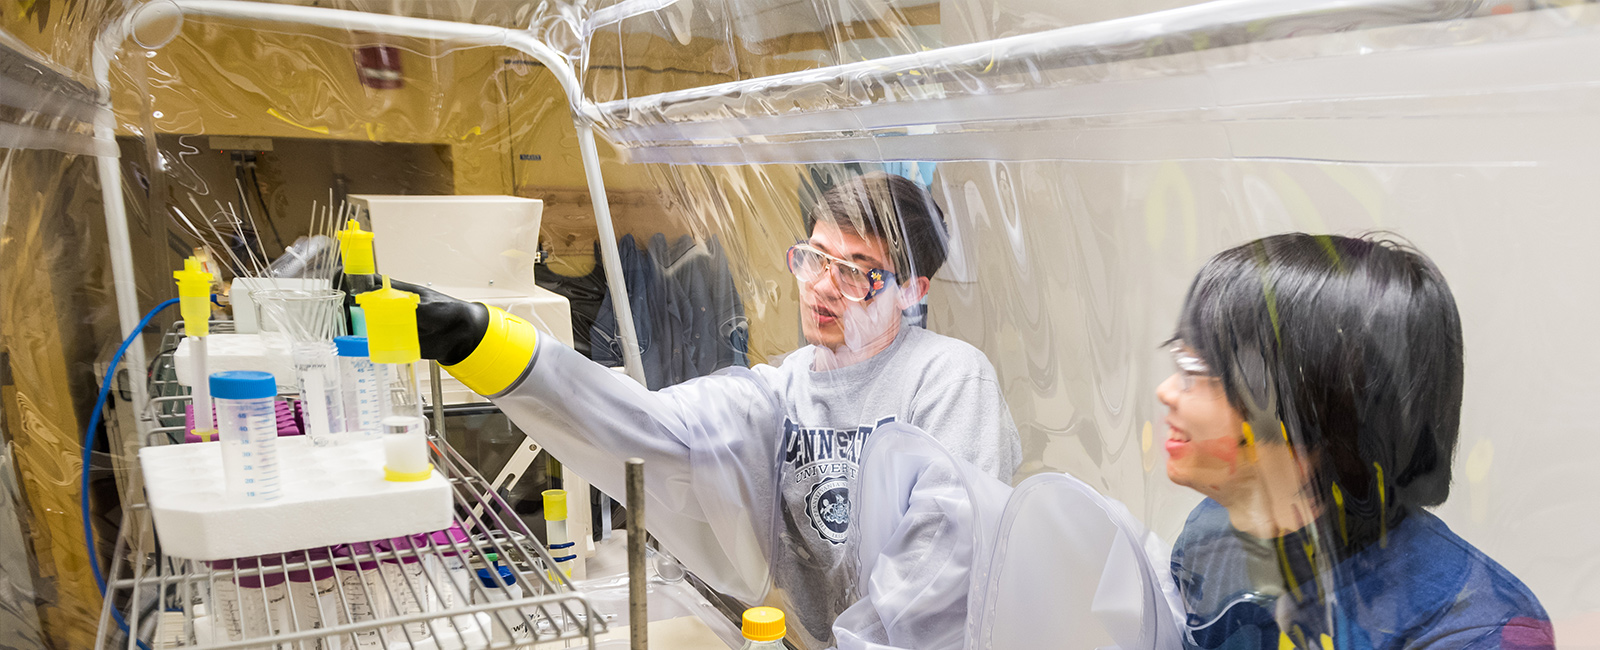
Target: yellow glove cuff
501	357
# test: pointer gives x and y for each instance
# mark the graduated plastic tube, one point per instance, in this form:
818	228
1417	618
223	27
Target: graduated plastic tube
248	425
358	379
316	369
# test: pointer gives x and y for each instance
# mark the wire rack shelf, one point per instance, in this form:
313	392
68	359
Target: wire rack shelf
423	591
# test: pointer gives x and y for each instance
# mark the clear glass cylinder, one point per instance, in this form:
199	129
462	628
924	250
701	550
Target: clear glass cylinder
248	429
311	318
401	395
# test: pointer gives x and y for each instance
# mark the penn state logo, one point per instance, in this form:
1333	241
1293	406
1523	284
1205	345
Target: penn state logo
828	506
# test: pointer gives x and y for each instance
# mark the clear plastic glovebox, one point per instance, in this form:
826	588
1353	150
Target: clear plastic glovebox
1038	187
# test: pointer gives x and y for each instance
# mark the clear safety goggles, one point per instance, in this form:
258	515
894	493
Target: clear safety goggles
1190	367
854	281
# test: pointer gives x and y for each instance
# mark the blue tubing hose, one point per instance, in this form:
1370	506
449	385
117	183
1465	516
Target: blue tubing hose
88	448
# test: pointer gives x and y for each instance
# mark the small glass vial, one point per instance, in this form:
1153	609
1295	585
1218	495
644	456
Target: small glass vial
763	629
247	423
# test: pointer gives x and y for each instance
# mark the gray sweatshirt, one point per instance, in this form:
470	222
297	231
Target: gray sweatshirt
749	471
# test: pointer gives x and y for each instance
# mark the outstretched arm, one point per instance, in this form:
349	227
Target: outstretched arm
707	444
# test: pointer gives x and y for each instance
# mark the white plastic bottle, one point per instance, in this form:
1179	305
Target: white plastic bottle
248	426
494	593
452	579
763	629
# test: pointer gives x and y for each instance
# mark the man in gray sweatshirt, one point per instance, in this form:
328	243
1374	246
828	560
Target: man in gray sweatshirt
750	470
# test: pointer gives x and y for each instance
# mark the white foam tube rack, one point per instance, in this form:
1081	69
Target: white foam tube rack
383	595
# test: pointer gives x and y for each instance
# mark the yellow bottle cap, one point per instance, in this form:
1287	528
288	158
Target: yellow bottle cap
391	324
555	505
194	296
763	624
355	248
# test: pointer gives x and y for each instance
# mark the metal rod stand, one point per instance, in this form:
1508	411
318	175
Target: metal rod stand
638	617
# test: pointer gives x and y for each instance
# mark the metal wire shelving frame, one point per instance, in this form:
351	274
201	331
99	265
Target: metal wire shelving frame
362	603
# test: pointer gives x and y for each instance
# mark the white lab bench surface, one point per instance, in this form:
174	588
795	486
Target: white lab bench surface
680	618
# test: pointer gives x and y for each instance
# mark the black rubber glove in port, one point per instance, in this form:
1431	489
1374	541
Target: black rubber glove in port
448	329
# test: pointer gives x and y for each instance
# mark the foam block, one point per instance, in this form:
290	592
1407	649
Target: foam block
266	352
330	495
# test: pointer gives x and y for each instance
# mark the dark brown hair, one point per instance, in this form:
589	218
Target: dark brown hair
894	209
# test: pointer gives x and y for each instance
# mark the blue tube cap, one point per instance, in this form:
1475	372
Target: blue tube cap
506	575
351	346
243	384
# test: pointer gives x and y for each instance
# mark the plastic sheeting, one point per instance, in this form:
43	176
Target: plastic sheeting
1090	169
926	527
1088	158
54	319
1103	591
18	611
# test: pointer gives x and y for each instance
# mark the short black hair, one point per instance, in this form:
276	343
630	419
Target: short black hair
1353	347
892	208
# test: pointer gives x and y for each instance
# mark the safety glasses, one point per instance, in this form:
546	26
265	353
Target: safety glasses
1190	367
855	282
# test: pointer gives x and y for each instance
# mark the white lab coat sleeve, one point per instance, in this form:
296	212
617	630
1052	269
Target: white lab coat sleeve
708	445
922	518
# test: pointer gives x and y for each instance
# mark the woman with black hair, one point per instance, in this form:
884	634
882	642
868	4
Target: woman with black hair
1317	406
